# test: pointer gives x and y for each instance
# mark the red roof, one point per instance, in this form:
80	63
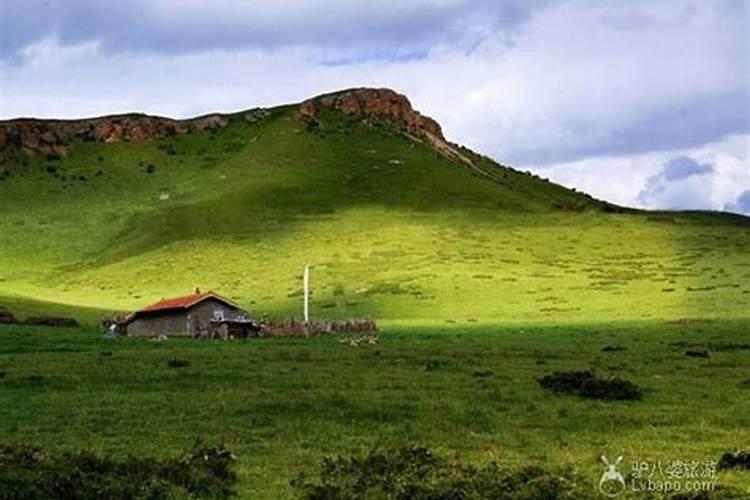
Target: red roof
184	302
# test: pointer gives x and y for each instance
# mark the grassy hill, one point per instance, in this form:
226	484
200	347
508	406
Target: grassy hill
485	279
393	227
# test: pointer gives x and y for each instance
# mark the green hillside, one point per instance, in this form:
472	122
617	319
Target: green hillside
393	228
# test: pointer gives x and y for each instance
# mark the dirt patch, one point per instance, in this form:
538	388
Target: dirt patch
735	460
59	321
587	384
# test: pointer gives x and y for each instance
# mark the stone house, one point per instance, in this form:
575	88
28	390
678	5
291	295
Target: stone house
196	315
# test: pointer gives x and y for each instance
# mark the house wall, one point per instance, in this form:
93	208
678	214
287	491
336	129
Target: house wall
201	314
163	323
189	322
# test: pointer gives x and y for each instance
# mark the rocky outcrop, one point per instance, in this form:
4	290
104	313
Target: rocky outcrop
59	136
374	105
388	106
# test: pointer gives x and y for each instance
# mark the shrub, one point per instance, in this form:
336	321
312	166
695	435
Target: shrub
588	385
696	353
178	363
60	321
28	472
7	317
736	460
613	348
718	493
415	473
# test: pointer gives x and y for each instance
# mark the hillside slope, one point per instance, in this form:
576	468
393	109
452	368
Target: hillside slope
396	221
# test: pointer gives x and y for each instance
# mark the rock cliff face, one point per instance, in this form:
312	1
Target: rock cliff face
372	105
58	136
386	105
375	105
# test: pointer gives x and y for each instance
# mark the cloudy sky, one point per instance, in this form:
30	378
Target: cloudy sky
644	103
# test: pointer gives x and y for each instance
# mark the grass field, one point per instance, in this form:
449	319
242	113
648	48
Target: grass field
283	404
481	286
392	229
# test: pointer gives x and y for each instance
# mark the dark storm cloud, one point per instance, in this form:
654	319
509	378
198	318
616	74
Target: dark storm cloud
173	27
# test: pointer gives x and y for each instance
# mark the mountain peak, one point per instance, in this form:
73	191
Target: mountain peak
374	105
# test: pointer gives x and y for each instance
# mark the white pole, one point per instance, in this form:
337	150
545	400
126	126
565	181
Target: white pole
307	293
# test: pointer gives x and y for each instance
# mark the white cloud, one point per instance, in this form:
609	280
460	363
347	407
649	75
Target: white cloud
640	180
49	52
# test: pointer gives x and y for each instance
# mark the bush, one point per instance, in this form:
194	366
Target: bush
28	472
696	353
736	460
613	348
414	473
588	385
178	363
7	317
718	493
60	321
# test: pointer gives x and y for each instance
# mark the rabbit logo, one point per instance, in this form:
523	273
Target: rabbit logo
611	483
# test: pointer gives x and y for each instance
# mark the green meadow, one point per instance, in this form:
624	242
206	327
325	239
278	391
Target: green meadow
481	286
283	404
391	229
